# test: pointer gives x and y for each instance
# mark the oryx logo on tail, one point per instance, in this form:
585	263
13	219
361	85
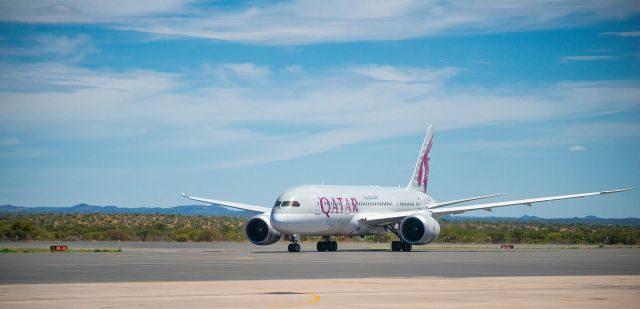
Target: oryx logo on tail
420	177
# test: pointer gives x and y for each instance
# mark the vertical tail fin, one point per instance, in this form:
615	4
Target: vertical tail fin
420	176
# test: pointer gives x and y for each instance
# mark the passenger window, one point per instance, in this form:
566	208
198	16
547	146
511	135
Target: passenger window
295	204
286	203
277	204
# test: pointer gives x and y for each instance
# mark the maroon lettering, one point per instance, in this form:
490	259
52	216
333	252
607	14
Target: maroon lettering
324	201
335	206
354	204
348	207
338	205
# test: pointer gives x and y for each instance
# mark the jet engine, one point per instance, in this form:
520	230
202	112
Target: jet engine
260	232
419	229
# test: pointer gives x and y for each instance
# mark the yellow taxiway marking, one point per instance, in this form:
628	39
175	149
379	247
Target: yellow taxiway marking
316	298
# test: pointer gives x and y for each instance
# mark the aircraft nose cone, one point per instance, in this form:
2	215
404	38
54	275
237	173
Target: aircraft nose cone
279	221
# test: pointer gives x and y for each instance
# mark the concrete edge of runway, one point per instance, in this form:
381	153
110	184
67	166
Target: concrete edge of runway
486	292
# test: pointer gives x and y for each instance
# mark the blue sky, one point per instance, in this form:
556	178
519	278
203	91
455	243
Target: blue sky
131	103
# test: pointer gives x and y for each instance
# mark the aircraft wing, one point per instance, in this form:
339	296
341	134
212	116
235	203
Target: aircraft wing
388	218
440	204
529	202
230	204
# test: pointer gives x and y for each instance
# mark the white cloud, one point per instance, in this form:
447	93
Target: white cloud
398	74
294	69
306	21
11	141
481	62
25	153
79	11
63	45
568	133
623	34
242	70
578	148
585	58
306	114
63	48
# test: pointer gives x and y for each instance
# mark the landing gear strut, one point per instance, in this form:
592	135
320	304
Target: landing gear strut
294	246
327	245
398	245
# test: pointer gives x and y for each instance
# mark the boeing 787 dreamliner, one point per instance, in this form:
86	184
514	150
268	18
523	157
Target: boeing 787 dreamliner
327	211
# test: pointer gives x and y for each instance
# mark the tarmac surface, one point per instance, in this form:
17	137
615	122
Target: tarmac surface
430	292
160	262
359	275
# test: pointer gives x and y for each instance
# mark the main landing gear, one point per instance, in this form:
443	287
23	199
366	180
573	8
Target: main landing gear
327	245
398	245
294	246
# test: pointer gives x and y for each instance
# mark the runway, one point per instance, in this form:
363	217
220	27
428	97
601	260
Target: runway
160	262
360	275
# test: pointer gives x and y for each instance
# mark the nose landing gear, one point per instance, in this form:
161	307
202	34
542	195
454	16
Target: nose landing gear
327	245
294	246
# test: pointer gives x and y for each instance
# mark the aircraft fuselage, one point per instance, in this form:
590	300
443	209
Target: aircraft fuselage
336	210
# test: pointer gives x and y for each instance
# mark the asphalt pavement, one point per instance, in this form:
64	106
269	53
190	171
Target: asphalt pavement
158	261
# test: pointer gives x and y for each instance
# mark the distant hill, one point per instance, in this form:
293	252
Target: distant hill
593	220
188	210
218	211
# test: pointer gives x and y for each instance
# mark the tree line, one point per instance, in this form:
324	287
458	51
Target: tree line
156	227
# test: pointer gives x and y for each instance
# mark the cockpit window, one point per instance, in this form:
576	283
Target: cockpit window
286	203
277	204
295	204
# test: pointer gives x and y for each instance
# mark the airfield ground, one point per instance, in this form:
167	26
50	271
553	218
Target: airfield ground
362	275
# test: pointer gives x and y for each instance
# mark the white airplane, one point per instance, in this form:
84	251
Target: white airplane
327	211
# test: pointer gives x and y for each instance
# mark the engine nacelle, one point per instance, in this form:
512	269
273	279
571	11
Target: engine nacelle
260	232
419	229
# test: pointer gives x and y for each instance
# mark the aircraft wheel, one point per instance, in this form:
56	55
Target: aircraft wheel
320	246
296	248
290	247
333	246
406	247
396	245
